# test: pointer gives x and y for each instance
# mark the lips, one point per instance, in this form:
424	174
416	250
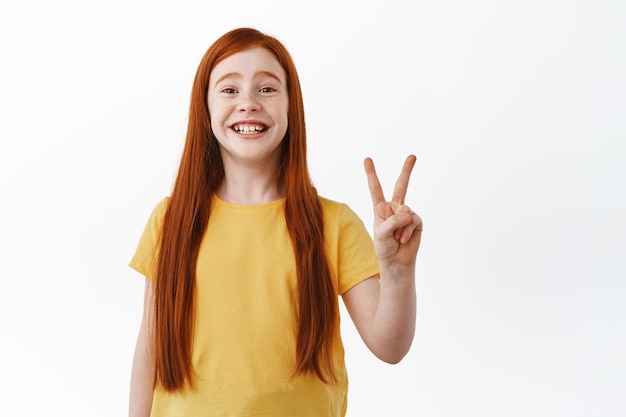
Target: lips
249	128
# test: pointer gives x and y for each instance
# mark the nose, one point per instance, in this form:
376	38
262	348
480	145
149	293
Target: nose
248	102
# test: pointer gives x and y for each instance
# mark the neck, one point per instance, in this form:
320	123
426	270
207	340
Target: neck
249	186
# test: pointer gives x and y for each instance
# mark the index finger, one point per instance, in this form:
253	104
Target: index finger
402	184
376	190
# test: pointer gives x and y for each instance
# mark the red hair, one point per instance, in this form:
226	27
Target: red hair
200	173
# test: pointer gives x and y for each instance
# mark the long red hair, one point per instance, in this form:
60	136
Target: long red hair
200	173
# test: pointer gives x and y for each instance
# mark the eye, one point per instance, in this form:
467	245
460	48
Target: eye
267	90
228	90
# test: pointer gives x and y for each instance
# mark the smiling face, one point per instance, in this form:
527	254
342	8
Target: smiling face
248	103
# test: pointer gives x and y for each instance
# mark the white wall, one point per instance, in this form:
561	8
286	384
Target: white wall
516	111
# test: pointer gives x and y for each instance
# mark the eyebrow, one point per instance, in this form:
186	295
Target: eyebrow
256	74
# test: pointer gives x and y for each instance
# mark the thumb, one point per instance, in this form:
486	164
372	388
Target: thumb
391	227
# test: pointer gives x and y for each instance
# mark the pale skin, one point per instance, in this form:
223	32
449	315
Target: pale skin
143	370
383	309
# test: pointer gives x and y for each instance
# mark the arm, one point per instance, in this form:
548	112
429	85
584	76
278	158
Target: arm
384	311
142	376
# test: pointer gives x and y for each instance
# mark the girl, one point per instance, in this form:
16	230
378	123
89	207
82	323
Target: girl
245	262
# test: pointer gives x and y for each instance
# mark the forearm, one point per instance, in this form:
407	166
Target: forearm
143	370
392	326
384	310
142	379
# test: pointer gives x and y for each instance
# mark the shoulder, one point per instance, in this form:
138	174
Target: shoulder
163	203
158	213
330	205
338	215
161	207
144	259
336	209
333	211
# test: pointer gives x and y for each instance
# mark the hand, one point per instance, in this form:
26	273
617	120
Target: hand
397	229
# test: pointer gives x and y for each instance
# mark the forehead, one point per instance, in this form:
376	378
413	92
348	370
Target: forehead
248	63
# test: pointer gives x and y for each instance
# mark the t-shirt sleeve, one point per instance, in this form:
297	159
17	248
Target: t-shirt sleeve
144	260
357	259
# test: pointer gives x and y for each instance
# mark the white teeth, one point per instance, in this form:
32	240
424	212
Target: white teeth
248	129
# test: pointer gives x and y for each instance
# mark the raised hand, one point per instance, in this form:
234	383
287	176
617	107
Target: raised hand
397	229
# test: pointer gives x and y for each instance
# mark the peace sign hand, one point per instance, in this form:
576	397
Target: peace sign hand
397	229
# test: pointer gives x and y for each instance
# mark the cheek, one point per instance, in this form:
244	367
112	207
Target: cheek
284	111
216	116
213	105
214	123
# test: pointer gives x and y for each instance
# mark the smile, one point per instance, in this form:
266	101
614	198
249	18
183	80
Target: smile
248	129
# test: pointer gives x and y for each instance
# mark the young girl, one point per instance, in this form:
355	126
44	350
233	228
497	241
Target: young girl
245	262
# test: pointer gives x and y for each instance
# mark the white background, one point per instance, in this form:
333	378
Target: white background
516	111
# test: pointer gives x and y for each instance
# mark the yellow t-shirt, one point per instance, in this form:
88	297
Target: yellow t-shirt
246	309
